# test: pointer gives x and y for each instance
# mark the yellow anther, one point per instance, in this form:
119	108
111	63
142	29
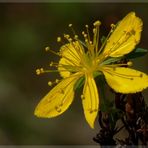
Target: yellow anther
38	71
70	25
50	83
130	63
97	23
90	42
66	36
86	40
58	39
85	35
83	32
94	30
70	39
41	70
51	64
47	48
57	81
112	25
86	26
76	36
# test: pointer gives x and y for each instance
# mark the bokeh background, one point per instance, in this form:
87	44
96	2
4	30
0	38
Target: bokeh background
25	30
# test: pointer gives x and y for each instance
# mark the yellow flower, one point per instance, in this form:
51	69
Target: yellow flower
86	59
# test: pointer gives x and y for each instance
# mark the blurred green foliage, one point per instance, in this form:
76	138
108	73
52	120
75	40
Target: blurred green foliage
25	29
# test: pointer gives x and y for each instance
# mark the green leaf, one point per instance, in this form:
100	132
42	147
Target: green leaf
111	60
97	73
138	52
79	83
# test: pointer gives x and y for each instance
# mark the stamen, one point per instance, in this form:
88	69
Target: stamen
67	37
39	71
87	30
57	81
70	25
130	63
96	35
59	39
102	47
73	31
47	48
113	26
50	83
76	37
51	64
97	23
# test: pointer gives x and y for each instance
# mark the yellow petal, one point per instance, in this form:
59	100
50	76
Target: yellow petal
125	80
71	55
63	72
58	99
125	36
72	52
90	100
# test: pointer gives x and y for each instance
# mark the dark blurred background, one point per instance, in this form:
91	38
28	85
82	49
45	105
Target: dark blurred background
25	30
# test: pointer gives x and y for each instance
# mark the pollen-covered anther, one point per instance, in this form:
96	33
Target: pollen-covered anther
38	71
76	37
51	64
90	42
94	30
70	39
97	23
86	26
112	26
66	36
58	39
50	83
86	40
130	63
47	48
83	32
57	81
70	25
